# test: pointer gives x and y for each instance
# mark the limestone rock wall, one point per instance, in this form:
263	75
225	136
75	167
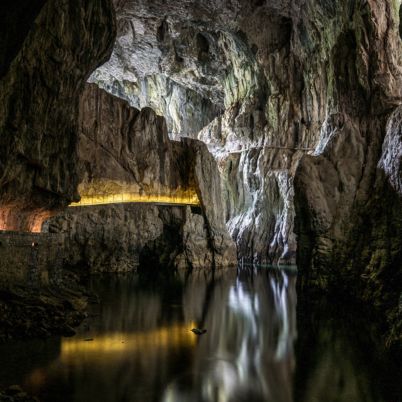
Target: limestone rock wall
125	238
30	259
186	111
308	142
123	148
39	94
288	87
348	204
203	172
119	144
207	51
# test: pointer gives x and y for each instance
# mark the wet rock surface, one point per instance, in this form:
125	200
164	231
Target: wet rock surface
124	149
125	238
309	129
16	394
348	206
330	342
38	313
39	96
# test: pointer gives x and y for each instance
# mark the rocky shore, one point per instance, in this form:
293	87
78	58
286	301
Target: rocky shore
36	313
16	394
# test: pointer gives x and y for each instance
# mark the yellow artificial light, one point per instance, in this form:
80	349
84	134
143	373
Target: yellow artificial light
183	198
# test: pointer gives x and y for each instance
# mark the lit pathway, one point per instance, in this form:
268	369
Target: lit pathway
185	198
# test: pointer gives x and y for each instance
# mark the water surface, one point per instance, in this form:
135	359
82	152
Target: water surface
137	345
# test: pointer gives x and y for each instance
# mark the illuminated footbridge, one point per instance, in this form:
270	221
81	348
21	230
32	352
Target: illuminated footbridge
183	197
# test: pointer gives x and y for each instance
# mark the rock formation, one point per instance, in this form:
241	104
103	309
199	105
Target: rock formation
122	149
306	96
298	100
347	200
47	51
205	50
39	94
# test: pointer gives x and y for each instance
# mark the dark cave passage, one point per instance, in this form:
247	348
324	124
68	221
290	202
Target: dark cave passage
182	149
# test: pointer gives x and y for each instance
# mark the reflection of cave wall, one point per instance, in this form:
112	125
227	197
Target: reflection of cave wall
247	353
41	353
251	326
333	363
141	330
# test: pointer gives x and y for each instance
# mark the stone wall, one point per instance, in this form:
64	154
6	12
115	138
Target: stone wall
30	259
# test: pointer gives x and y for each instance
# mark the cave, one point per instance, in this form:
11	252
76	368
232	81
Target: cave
200	201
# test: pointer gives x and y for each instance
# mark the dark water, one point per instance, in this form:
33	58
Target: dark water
137	346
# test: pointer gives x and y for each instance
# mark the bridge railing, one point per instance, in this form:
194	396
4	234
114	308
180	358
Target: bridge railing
185	197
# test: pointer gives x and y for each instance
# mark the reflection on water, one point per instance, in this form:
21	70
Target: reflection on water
341	356
248	353
137	345
74	351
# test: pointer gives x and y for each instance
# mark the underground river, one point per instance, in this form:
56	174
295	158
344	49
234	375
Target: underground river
137	345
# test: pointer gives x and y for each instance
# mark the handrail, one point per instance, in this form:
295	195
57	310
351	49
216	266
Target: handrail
184	198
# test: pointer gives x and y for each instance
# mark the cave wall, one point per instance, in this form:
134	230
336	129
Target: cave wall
124	149
16	20
288	88
308	143
30	259
186	112
204	50
348	204
149	238
120	146
39	95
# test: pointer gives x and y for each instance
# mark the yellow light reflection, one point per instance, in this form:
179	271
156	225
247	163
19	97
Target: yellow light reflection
116	344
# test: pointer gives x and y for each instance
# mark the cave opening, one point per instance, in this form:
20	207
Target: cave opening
200	200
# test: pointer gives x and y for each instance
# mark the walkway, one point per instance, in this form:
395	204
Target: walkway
185	198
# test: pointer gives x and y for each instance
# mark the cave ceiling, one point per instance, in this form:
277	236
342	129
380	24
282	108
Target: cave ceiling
171	53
